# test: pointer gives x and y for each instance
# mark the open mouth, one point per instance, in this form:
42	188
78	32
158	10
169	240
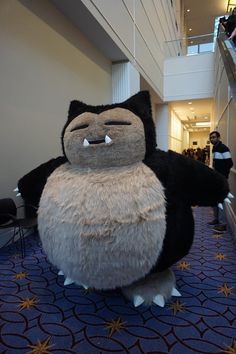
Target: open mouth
106	140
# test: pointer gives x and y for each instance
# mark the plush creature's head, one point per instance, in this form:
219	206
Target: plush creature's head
112	135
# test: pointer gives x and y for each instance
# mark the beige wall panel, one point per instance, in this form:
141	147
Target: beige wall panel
223	94
114	12
130	4
151	9
148	65
154	18
144	26
232	130
200	137
225	111
41	72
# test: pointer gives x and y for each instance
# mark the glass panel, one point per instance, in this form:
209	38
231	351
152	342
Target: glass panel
189	45
206	47
192	49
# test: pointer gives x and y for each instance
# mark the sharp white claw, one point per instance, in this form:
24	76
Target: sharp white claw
107	139
175	292
68	281
85	286
18	195
60	272
138	300
85	142
220	206
16	189
159	300
227	200
230	195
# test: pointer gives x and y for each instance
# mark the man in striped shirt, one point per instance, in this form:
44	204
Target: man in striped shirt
222	162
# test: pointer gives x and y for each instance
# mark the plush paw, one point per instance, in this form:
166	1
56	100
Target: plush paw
154	289
69	281
158	299
226	200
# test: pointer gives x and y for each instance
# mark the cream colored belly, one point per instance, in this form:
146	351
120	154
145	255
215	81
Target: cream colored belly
106	228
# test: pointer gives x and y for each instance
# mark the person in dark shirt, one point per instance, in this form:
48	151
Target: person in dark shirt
230	23
222	162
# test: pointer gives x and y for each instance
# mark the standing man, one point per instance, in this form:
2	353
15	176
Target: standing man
222	162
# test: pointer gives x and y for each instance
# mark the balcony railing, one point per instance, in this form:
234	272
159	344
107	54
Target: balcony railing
190	45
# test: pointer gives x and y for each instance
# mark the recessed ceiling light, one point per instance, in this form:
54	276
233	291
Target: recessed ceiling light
203	124
189	102
188	10
190	29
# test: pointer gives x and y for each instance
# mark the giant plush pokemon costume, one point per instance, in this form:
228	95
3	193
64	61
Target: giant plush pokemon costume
114	211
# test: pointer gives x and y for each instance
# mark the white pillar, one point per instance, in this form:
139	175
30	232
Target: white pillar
125	81
162	126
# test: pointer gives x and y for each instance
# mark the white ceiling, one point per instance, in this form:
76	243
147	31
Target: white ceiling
193	111
202	14
201	20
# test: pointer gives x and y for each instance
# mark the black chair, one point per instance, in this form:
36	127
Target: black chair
9	219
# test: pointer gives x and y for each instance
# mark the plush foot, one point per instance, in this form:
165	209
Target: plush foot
69	281
155	289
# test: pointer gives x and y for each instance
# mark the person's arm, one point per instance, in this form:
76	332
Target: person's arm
233	34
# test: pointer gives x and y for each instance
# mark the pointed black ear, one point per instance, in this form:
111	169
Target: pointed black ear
76	107
140	103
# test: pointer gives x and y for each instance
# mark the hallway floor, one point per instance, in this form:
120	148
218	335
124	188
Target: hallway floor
39	315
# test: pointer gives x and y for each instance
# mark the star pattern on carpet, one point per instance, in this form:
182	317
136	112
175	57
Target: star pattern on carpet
232	349
177	306
183	265
216	236
225	290
21	275
202	320
115	326
220	256
41	347
28	303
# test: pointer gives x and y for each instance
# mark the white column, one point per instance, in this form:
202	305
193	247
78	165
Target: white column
161	120
125	81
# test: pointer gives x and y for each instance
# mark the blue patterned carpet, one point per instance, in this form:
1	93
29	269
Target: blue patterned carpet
38	315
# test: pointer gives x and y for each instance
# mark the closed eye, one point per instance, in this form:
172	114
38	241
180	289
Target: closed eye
117	122
82	126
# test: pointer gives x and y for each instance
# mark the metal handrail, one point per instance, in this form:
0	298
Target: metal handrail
192	37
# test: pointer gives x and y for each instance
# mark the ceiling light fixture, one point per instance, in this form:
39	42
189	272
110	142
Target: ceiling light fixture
203	124
188	10
190	29
189	102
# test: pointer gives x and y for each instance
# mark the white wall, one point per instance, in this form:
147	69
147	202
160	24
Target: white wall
41	71
161	120
140	28
189	77
175	132
201	137
185	139
225	123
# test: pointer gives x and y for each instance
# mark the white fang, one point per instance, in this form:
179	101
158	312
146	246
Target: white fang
85	142
107	139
